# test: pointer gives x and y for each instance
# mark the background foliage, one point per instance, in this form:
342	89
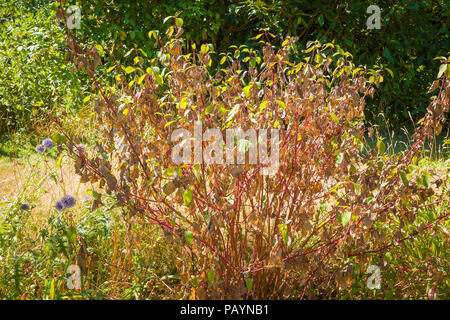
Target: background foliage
412	33
33	78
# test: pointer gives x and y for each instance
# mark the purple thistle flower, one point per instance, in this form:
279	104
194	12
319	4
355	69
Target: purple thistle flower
68	201
59	205
47	143
40	149
24	206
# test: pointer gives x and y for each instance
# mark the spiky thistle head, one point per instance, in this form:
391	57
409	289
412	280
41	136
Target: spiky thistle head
47	143
59	205
68	201
40	148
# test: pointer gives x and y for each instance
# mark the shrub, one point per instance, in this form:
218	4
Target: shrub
331	209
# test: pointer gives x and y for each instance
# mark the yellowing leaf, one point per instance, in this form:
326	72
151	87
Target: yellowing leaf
263	105
141	78
128	69
58	163
159	79
247	90
334	117
183	103
187	197
281	104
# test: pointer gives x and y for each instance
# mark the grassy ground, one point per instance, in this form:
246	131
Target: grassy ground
33	243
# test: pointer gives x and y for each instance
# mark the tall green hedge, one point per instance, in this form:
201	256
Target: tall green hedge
412	33
34	78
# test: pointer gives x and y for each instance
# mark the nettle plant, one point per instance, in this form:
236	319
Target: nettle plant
298	232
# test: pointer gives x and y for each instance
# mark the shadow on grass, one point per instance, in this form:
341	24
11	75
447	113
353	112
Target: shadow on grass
400	139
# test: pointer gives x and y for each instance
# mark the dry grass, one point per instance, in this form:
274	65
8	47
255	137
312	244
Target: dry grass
23	177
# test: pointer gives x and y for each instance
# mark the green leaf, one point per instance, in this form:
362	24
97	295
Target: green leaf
390	72
188	236
209	109
442	69
170	171
194	281
59	138
344	218
249	283
94	194
339	158
159	79
72	234
187	197
426	179
320	20
52	289
211	275
156	70
169	123
179	22
356	187
404	178
284	233
387	54
381	146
